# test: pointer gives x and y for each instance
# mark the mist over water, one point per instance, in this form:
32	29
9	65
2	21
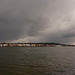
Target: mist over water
37	61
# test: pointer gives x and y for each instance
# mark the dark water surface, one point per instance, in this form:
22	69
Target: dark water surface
37	61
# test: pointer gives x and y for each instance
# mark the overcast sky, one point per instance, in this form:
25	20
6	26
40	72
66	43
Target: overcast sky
37	21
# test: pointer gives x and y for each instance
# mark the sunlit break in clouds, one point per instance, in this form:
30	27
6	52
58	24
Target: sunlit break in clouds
37	21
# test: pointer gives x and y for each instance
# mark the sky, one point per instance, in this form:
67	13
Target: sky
37	21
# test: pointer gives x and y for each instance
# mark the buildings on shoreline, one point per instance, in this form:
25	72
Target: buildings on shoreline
33	45
24	45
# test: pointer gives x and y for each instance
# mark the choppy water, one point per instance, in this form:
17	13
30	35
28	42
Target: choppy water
37	61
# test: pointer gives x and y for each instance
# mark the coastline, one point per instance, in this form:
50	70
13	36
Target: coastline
35	45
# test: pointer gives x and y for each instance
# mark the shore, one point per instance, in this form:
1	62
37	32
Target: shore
34	45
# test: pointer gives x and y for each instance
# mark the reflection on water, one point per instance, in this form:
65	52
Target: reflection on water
37	61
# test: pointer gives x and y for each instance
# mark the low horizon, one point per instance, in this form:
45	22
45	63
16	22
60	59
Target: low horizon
38	43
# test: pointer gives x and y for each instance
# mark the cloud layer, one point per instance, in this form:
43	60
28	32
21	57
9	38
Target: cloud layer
37	21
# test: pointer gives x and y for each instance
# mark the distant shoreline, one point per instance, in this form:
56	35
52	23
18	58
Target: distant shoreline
35	45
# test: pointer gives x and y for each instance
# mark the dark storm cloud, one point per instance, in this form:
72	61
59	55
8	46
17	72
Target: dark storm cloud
20	17
37	21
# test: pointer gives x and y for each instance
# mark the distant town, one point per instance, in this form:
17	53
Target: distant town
34	45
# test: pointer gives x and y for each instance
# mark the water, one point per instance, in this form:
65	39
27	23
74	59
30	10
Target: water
37	61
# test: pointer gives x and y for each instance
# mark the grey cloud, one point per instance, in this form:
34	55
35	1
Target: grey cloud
69	35
37	20
20	17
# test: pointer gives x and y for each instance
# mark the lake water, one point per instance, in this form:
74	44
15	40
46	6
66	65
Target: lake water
37	61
